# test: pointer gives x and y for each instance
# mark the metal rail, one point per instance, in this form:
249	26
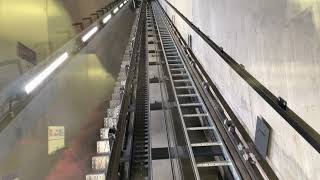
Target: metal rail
141	154
189	103
305	130
154	50
212	98
117	148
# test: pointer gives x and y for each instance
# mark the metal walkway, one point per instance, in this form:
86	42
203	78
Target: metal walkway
193	113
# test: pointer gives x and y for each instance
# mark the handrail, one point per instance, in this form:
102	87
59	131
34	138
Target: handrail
278	104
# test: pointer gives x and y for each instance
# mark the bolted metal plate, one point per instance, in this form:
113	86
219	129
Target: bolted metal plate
100	176
110	122
103	147
114	103
104	133
100	162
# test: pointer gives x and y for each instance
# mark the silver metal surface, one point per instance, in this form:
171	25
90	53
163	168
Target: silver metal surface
158	20
214	163
100	162
103	147
97	176
206	144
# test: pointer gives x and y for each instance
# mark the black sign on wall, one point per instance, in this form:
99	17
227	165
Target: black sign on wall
262	136
26	53
190	41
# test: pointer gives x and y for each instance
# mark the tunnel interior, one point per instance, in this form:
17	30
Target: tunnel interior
159	89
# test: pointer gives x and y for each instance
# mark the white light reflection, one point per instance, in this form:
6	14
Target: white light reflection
34	83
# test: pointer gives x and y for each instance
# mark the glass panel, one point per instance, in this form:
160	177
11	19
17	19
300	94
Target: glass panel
51	133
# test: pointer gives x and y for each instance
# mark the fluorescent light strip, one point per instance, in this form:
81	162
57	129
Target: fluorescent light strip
34	83
89	34
106	19
121	5
116	10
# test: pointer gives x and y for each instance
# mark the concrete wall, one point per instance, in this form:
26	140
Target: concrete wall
278	43
79	9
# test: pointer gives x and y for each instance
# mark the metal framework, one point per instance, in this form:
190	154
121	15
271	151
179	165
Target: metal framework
141	153
204	147
189	103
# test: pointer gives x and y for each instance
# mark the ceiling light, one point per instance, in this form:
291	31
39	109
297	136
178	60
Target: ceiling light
106	19
89	34
116	10
35	82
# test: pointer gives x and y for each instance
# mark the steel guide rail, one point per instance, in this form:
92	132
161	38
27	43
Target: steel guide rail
217	104
241	163
112	134
179	74
117	150
164	104
141	151
277	103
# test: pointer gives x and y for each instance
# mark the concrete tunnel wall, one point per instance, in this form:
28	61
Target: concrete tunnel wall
278	43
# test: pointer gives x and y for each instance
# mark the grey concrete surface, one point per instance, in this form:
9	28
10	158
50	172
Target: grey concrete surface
76	99
155	92
158	130
153	70
161	169
278	43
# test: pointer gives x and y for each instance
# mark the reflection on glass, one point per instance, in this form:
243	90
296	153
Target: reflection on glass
55	138
46	138
41	25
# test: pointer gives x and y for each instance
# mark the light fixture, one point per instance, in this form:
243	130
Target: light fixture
106	19
35	82
89	34
121	5
116	10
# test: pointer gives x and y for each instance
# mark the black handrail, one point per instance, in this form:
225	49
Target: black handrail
306	131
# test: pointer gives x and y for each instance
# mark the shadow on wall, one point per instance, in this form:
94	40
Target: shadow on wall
287	169
312	6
